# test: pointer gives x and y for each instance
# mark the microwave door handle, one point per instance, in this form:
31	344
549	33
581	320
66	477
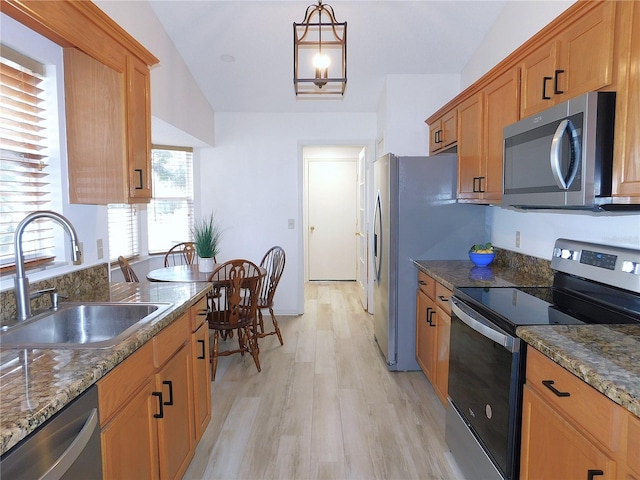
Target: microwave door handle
556	143
566	126
484	330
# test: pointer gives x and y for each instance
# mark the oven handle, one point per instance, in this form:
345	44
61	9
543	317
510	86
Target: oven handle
484	330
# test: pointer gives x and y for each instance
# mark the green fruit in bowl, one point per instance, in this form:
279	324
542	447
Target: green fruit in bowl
481	248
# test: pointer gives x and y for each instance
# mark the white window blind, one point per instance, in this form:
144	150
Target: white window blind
24	184
170	212
123	231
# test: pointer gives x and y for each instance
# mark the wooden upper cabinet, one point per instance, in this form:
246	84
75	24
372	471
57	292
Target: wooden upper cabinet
443	132
626	167
138	130
471	181
107	99
95	113
502	107
577	60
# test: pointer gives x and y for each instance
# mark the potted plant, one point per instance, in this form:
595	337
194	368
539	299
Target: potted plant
206	237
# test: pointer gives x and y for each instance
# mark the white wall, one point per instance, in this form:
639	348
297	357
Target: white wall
175	96
539	230
406	103
252	180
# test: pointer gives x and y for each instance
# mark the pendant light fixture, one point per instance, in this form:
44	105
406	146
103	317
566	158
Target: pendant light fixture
319	53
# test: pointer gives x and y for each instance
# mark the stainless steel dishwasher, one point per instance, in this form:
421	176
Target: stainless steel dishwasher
67	446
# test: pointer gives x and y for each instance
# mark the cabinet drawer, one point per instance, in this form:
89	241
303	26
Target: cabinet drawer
122	382
198	314
427	284
443	294
169	340
587	407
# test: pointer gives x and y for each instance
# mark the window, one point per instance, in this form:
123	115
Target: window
170	212
123	231
24	161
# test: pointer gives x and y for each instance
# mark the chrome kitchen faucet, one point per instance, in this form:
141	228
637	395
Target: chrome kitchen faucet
23	304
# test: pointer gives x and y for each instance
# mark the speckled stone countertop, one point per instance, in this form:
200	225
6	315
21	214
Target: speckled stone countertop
37	383
607	357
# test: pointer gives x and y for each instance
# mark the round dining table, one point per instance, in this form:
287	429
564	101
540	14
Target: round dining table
184	273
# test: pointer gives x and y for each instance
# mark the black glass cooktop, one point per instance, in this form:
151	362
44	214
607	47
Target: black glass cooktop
512	307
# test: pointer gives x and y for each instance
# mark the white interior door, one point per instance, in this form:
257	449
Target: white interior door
361	231
332	199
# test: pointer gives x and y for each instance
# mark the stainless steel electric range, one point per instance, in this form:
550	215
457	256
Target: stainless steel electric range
593	284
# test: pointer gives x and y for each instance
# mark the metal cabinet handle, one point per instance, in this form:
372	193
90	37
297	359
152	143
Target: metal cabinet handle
555	83
422	282
549	385
442	298
73	451
139	172
202	355
544	88
430	318
593	473
160	405
170	384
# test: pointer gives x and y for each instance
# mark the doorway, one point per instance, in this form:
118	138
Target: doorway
335	215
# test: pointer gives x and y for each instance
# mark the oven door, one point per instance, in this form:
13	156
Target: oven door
485	390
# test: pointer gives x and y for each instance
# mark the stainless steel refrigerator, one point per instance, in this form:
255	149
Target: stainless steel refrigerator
416	218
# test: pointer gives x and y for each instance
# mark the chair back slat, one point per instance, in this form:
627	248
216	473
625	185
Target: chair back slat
181	254
273	261
127	270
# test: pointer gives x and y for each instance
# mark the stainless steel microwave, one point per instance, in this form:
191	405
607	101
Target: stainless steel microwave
561	157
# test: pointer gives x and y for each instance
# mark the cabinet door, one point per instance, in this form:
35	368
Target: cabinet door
471	182
538	78
201	379
95	99
626	166
553	448
502	108
586	53
435	132
138	130
442	356
450	128
129	441
175	428
425	335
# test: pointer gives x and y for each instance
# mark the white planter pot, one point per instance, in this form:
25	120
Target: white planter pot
205	264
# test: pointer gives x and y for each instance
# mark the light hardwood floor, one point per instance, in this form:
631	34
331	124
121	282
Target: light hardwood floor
324	405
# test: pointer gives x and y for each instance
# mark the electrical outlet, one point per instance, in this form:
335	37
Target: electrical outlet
100	248
291	224
518	239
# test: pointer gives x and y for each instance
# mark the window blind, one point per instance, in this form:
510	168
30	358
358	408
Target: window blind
123	231
24	184
170	212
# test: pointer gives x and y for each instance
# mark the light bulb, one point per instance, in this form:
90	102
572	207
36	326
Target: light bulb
321	61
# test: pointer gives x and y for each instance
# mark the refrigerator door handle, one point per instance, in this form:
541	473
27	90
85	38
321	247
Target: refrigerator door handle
377	237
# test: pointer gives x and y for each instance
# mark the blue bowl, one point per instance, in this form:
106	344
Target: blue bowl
481	259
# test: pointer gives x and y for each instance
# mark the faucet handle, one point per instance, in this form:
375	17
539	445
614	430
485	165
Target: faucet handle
39	293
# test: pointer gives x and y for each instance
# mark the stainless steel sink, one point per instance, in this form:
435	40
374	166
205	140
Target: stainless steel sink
82	325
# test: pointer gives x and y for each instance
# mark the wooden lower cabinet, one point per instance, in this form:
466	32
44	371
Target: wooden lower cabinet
433	327
129	445
572	431
175	429
553	448
155	405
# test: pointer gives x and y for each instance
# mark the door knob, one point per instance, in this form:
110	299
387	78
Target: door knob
312	228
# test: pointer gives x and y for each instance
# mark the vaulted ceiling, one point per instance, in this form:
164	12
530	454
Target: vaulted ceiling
241	52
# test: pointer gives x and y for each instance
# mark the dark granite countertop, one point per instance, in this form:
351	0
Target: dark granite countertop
607	357
463	273
37	383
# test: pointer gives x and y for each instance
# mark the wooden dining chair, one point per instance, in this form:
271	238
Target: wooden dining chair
234	281
181	254
127	271
273	261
